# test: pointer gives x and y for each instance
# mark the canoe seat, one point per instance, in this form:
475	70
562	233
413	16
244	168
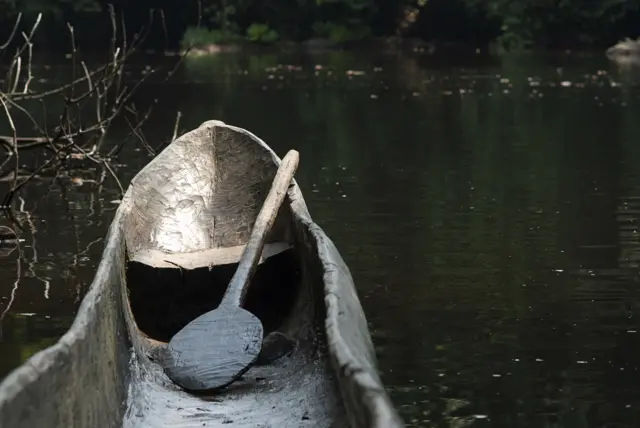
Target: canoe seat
205	258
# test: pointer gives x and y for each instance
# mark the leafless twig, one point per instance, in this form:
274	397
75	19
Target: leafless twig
75	135
9	233
176	126
13	32
14	141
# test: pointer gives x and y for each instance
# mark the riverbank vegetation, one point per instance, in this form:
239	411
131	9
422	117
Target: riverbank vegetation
507	24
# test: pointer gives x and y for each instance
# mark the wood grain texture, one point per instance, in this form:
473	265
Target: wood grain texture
239	285
214	350
205	258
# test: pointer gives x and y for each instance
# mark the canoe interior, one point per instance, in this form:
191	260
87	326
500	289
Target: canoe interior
202	192
209	208
297	390
164	300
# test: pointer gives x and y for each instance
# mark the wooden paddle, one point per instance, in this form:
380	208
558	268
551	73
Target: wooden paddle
219	346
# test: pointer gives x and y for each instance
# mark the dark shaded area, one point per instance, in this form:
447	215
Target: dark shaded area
511	24
163	301
166	22
451	21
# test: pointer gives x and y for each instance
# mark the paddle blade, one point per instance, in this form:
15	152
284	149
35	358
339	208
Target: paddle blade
214	349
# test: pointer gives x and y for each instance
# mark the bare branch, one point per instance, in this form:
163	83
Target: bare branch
9	240
8	198
17	58
14	141
13	32
24	111
76	135
14	289
164	29
29	63
115	177
18	65
175	127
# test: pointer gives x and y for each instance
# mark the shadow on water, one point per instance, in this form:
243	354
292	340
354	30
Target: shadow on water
489	212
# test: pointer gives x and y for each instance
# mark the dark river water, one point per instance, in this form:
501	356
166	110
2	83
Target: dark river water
488	209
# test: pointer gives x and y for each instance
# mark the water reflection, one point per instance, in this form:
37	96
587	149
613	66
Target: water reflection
488	211
61	228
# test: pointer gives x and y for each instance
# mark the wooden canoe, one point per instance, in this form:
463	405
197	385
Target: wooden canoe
172	247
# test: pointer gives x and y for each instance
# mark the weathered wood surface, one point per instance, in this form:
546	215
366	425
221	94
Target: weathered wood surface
176	205
205	258
219	346
305	384
203	191
237	291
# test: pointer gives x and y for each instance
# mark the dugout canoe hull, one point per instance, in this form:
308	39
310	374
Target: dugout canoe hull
172	246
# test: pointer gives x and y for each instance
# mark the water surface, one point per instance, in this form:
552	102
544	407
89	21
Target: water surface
488	209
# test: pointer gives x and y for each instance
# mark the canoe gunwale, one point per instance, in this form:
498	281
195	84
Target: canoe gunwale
366	400
205	258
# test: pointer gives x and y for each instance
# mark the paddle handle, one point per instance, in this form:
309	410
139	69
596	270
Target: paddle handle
237	289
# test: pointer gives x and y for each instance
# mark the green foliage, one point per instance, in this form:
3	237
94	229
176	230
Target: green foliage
261	33
512	24
221	15
199	37
527	23
338	33
356	5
